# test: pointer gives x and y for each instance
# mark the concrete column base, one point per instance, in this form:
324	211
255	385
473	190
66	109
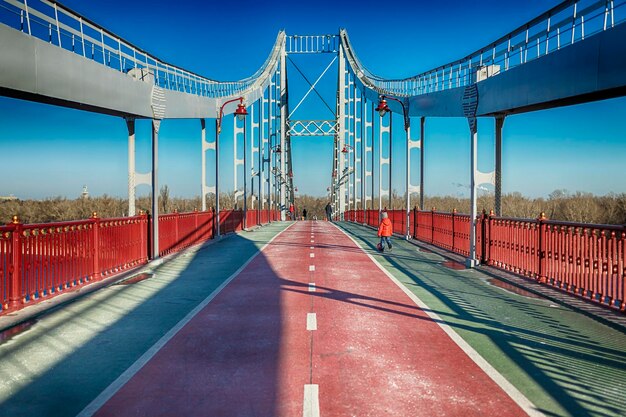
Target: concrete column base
471	263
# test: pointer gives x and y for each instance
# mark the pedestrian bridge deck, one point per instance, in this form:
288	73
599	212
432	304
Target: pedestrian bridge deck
317	323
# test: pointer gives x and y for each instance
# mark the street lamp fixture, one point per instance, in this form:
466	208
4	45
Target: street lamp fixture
383	109
240	113
347	148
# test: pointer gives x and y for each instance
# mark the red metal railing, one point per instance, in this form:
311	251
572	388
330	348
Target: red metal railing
178	231
252	218
122	243
583	259
39	261
398	220
231	221
371	218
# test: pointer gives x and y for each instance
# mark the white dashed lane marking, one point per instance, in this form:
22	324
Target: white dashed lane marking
311	406
311	321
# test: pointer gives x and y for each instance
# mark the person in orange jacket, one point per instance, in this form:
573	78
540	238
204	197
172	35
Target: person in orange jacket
385	230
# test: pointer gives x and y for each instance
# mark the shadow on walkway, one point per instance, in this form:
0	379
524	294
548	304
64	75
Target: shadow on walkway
577	362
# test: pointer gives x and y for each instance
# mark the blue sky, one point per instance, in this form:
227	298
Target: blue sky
49	151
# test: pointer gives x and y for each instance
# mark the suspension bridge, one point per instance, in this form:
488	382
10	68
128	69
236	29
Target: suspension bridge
246	312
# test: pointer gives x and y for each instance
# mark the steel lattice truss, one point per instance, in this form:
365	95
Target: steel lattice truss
312	127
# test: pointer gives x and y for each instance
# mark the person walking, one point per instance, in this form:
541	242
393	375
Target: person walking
292	212
329	212
385	230
304	214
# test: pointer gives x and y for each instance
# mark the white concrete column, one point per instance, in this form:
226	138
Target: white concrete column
245	175
372	166
272	141
407	194
130	124
341	119
156	124
363	155
380	165
203	183
472	260
283	131
422	155
390	157
498	184
217	178
262	143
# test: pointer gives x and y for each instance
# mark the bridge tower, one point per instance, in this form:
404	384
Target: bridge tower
336	127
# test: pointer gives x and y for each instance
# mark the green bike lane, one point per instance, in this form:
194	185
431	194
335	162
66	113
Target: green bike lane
67	357
565	362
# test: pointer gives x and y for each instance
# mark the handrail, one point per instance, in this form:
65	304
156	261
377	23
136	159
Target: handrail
563	25
50	21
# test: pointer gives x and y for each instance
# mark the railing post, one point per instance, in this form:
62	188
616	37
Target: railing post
622	291
213	226
414	222
176	221
487	237
454	212
541	252
143	237
149	234
16	282
196	239
95	245
432	224
483	234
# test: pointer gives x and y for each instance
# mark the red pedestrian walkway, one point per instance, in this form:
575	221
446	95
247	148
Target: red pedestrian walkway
311	327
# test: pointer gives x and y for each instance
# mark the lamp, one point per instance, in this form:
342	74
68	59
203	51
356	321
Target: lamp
240	113
382	108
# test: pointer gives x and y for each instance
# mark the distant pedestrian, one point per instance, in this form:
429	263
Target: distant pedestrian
292	212
329	212
385	230
304	214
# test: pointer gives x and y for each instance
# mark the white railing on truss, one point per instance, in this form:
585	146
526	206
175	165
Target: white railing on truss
565	24
54	23
311	44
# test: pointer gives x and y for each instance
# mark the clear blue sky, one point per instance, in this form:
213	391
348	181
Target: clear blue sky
48	151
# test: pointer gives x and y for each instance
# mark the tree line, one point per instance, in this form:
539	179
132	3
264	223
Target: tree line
559	205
